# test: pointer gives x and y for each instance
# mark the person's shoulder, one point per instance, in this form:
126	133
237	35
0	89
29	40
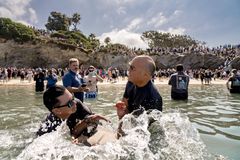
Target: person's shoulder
129	84
174	74
51	117
153	87
230	78
67	76
154	93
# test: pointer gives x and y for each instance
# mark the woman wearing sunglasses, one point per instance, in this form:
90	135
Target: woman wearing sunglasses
81	121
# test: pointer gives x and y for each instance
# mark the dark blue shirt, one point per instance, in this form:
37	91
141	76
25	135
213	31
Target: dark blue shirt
72	79
235	84
147	97
179	82
51	80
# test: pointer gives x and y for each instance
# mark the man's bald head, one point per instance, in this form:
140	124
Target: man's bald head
146	62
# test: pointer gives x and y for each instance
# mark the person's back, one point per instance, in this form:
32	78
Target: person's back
235	82
51	79
179	82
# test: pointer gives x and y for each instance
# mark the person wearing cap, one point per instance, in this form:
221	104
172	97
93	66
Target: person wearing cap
235	82
92	79
82	122
73	81
179	82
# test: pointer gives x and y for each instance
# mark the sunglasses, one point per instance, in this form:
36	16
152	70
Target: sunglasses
69	104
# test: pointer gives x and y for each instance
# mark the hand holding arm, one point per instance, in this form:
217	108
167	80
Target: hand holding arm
96	117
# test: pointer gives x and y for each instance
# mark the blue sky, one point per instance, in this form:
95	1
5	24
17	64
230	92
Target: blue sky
217	22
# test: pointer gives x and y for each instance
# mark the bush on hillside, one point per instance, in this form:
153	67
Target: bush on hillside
73	38
16	31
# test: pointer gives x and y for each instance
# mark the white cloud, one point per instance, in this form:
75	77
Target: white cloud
121	10
33	15
24	22
134	24
125	37
4	12
158	20
171	30
177	12
124	2
18	10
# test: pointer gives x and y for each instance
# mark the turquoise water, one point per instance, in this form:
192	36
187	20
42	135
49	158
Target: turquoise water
210	109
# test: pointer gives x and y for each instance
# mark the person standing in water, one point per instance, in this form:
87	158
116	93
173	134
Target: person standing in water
140	91
235	82
179	82
51	78
73	81
39	78
92	79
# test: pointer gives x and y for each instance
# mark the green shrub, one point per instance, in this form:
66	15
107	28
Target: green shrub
16	31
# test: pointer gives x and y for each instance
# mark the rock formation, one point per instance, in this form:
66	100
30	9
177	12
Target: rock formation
50	55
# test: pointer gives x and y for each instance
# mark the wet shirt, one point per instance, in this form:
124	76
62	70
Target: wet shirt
52	122
235	84
147	97
72	79
179	82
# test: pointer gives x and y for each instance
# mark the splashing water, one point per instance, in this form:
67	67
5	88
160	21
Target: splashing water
151	136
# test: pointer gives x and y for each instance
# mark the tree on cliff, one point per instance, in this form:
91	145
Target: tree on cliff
58	21
75	20
94	41
107	40
159	39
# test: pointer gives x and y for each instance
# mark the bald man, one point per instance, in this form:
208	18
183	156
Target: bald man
140	90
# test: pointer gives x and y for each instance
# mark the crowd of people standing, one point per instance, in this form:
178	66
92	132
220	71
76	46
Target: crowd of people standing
111	75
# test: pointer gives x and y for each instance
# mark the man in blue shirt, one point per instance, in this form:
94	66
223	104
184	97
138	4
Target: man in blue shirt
73	81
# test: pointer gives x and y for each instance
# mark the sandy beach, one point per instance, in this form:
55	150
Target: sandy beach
17	82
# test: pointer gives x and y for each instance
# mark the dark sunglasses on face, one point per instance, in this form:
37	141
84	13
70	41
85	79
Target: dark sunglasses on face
69	104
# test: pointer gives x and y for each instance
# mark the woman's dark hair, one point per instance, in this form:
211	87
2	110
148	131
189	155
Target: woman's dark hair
51	94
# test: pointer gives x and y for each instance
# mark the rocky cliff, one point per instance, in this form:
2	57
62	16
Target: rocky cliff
50	55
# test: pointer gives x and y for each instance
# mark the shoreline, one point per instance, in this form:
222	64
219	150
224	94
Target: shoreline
17	82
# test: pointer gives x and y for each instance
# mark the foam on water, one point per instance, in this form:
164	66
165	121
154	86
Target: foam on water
169	136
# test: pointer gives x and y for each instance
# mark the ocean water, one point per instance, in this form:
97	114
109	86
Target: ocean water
204	127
